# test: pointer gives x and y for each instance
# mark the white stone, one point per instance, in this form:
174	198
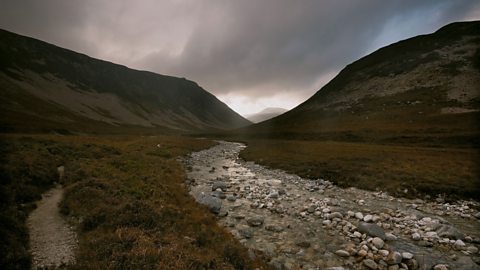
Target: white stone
459	244
440	267
383	252
407	255
368	218
357	234
359	215
416	236
342	253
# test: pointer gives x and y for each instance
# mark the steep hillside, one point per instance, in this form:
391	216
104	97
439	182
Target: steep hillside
266	114
47	88
423	89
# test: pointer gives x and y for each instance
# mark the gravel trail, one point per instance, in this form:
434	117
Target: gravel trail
52	240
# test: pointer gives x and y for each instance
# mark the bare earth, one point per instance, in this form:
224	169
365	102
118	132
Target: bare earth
52	240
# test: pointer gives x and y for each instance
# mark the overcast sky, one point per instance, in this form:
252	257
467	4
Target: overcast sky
251	54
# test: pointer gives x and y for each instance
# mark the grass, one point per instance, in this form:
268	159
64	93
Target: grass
127	198
452	172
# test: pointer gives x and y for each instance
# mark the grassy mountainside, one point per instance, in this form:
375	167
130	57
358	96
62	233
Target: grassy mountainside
46	88
406	117
126	196
423	89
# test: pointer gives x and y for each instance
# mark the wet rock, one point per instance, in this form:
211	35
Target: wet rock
213	204
448	231
378	242
255	221
371	264
372	229
342	253
394	258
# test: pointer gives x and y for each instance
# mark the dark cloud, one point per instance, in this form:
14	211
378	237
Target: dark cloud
246	50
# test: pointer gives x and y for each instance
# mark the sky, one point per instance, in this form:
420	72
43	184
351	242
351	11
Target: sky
251	54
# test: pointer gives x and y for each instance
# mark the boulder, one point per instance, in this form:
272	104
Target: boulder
213	204
372	229
448	231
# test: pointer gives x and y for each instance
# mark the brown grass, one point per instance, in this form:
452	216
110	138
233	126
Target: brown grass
128	199
420	170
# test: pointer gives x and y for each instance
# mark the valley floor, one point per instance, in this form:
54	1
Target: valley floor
125	196
401	170
312	224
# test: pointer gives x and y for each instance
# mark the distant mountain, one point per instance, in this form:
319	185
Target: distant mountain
45	88
425	88
265	114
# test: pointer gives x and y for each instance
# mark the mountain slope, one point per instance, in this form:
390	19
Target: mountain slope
265	114
45	87
425	88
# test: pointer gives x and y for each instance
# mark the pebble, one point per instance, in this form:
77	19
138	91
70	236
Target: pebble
459	244
416	236
390	237
371	264
394	258
368	218
440	267
378	242
472	250
342	253
359	215
407	255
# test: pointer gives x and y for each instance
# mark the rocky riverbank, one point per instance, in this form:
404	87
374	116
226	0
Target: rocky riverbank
313	224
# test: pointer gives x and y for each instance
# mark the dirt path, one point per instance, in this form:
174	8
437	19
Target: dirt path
52	240
313	224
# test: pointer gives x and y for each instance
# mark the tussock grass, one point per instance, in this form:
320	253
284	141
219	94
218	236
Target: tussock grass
128	199
422	171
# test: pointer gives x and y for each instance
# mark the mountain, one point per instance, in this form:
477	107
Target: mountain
265	114
47	88
423	89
